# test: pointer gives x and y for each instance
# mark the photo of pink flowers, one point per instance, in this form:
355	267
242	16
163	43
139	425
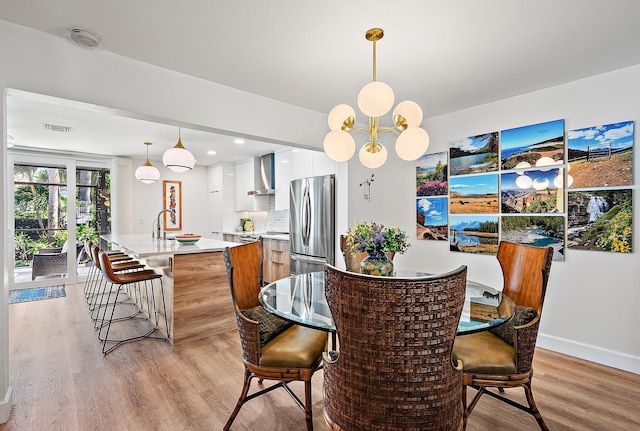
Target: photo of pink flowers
431	175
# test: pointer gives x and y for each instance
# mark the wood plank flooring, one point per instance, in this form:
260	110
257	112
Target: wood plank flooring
63	382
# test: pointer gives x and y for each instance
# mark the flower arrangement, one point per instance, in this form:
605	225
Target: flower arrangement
373	237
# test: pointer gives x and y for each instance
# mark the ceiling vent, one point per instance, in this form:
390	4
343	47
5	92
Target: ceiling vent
57	128
84	37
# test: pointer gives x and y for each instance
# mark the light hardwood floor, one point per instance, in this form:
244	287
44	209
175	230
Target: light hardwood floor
63	382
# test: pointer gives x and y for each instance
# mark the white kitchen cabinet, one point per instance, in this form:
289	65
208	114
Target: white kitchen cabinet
300	164
282	180
220	185
321	164
245	174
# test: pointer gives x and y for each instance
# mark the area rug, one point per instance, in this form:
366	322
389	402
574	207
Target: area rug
27	295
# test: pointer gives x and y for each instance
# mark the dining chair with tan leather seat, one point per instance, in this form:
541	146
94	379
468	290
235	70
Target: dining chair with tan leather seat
272	348
394	369
502	357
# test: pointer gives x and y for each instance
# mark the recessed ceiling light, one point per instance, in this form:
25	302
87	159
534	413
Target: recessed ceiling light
238	141
212	153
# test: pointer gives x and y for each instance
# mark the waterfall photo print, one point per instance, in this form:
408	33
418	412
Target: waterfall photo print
600	220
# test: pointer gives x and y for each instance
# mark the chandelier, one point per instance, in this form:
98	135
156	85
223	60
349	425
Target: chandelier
147	173
375	100
178	158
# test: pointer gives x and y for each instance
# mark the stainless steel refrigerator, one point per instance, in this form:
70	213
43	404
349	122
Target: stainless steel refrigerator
312	223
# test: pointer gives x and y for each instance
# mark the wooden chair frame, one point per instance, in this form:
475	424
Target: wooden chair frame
526	273
245	283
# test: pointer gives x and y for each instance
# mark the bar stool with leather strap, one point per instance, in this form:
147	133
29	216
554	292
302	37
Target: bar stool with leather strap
119	281
95	295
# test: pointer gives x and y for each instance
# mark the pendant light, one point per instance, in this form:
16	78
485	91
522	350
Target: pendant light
375	100
147	173
178	158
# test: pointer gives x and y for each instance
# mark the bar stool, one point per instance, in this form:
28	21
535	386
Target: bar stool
97	289
118	282
94	273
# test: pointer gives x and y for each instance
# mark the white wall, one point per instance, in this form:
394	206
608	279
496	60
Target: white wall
147	200
592	297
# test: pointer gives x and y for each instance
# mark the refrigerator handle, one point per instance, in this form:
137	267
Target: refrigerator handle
306	215
308	259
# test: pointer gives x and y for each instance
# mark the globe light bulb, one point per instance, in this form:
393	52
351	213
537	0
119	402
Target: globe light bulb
375	99
412	143
339	114
339	145
372	160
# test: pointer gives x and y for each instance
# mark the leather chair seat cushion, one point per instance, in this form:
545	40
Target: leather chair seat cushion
484	353
295	347
270	325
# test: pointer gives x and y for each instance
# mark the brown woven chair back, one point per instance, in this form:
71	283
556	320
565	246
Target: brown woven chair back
526	271
394	370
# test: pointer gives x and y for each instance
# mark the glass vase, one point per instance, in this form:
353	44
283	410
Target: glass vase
377	263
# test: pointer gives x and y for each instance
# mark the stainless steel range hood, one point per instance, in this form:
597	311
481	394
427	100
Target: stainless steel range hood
264	177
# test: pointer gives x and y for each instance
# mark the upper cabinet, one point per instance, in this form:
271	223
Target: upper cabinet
295	164
281	164
221	187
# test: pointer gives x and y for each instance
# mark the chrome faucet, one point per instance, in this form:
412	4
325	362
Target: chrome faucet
157	224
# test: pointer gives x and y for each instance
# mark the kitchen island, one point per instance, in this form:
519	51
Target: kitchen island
196	289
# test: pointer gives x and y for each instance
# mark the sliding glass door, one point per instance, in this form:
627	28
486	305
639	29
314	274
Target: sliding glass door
57	205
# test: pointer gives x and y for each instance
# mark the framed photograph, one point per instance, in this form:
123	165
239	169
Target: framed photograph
474	194
601	156
474	155
431	218
431	175
536	230
172	194
600	220
474	234
533	191
536	145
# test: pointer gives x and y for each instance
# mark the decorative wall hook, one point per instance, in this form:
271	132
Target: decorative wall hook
367	188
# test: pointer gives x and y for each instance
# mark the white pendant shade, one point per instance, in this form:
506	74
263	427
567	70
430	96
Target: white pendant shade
373	160
339	145
178	158
338	114
375	99
411	111
412	143
147	174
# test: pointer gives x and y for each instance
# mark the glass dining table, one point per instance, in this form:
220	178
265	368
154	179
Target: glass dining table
300	299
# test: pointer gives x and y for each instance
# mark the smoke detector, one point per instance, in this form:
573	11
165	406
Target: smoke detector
84	37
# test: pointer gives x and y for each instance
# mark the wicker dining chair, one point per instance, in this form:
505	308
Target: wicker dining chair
502	358
272	348
394	369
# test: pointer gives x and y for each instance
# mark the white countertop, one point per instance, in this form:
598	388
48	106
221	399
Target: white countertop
278	236
142	245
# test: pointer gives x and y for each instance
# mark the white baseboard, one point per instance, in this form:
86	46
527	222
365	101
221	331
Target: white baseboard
6	405
610	358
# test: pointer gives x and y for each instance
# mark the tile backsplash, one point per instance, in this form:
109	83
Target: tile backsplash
271	220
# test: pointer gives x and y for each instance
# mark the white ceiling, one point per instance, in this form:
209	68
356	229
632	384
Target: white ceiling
446	56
